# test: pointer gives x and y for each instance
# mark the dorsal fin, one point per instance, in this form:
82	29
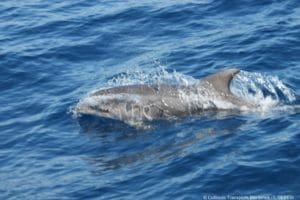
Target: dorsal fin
221	80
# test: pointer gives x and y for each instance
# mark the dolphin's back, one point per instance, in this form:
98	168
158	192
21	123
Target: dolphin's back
221	81
138	90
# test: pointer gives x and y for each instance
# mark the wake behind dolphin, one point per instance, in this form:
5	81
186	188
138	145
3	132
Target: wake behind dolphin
139	102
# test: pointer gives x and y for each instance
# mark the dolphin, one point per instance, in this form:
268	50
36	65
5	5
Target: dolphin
147	102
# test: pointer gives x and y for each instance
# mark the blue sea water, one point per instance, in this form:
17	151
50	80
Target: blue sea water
53	53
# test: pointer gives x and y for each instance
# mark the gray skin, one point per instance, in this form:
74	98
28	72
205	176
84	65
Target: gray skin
148	102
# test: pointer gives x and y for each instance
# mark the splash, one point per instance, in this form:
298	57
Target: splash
157	75
265	91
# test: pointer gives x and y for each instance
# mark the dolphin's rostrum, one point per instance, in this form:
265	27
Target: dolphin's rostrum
147	102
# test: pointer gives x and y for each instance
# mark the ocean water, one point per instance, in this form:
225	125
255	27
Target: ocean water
54	53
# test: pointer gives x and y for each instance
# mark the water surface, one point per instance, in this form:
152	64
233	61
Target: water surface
53	53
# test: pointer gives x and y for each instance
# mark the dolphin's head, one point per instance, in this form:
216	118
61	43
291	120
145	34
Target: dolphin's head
90	105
